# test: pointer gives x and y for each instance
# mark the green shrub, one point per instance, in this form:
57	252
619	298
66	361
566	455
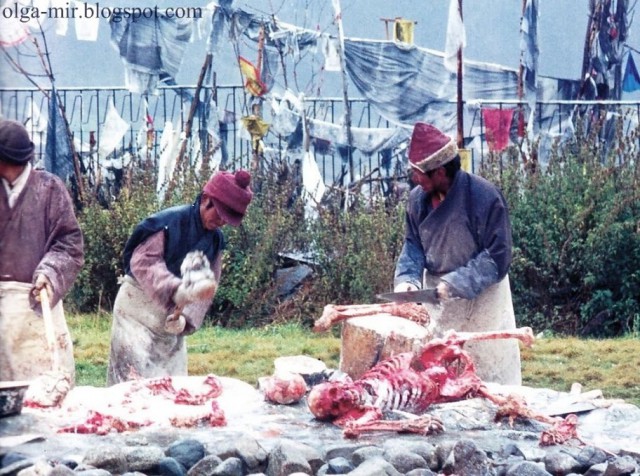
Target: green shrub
273	225
106	230
357	251
576	231
352	255
576	237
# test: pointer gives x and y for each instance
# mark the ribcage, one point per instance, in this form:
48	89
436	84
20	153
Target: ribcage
394	385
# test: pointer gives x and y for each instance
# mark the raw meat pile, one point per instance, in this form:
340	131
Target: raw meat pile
48	390
140	403
164	386
283	388
101	424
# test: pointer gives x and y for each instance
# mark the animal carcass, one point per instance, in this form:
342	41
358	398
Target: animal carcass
441	372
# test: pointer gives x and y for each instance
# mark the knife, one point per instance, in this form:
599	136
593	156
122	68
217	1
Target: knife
422	295
566	409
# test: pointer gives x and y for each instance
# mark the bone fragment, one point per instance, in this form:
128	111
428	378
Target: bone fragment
421	425
523	334
333	314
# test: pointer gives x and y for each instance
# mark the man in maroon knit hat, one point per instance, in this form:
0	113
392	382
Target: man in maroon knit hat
41	249
172	261
458	240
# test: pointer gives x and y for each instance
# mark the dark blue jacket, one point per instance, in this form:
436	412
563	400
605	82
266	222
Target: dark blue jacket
183	232
466	240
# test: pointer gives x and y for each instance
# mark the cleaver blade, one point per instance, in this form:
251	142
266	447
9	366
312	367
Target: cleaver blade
420	296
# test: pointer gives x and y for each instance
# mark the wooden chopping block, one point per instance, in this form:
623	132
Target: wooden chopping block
368	339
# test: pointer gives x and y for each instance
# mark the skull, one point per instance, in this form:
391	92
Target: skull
195	267
331	400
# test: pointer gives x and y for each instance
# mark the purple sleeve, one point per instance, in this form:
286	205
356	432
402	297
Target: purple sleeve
150	271
63	255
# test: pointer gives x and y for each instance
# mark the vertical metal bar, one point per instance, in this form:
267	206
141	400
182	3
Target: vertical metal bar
483	135
234	135
459	102
131	127
97	119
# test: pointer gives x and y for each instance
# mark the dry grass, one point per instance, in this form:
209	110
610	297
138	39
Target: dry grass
243	354
610	365
249	354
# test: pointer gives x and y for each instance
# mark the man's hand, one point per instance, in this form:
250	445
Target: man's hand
203	290
175	324
443	291
42	282
405	287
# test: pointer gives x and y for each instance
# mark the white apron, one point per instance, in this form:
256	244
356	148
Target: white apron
496	360
24	350
140	346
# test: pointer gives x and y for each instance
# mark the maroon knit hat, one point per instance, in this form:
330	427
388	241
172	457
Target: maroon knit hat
231	194
430	148
15	144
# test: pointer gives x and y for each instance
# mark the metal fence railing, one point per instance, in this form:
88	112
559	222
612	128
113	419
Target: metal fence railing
88	113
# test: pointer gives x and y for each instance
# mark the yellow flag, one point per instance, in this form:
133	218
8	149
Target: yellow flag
255	125
403	30
465	159
252	82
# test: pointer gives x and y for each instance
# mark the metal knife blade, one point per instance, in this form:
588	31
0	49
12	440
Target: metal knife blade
566	409
421	295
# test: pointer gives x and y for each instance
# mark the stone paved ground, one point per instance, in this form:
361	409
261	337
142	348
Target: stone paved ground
615	429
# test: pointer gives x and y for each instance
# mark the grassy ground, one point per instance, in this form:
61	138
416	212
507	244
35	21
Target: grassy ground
610	364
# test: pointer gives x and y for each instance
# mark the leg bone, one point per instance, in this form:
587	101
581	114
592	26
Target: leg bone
523	334
422	425
333	314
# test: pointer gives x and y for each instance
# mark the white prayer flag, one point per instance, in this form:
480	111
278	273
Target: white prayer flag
529	50
313	184
169	150
62	21
331	56
112	131
86	26
38	122
456	37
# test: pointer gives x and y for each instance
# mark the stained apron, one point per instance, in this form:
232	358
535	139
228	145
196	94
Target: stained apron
496	360
24	349
140	347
